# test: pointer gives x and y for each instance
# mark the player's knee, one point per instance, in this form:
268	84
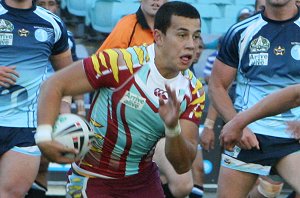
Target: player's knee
269	189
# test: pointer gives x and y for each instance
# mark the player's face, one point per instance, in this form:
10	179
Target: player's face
278	3
50	5
180	43
150	7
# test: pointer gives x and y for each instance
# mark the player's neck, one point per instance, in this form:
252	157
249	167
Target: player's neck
163	66
281	13
20	4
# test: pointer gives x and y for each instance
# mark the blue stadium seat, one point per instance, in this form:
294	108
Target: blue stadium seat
63	4
208	10
104	14
205	26
76	7
215	1
245	2
232	11
220	26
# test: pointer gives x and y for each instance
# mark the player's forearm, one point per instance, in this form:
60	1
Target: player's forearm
49	103
273	104
180	153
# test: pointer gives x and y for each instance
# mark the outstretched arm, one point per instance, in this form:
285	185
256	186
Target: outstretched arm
273	104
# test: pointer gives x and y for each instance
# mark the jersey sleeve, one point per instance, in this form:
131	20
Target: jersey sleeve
61	44
196	101
228	53
112	67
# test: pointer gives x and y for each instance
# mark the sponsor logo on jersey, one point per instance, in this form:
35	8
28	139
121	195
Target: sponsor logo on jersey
6	38
6	26
161	93
258	52
132	100
23	32
260	44
279	51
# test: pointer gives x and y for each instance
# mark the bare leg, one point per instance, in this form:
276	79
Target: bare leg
233	183
19	171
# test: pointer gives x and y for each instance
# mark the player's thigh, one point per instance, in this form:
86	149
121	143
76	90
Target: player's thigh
288	168
234	183
18	168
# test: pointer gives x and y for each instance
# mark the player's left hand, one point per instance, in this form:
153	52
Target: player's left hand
169	110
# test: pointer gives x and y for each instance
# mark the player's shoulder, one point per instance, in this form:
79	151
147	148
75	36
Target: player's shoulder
194	82
47	15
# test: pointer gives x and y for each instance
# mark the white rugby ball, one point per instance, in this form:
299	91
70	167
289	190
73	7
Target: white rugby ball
73	132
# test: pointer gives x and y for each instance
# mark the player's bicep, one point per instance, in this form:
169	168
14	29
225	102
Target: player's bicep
73	79
61	60
222	75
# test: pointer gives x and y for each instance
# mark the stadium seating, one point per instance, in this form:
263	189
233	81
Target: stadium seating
102	15
76	7
105	14
208	10
220	26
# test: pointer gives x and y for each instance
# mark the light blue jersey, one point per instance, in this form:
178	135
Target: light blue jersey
27	38
266	54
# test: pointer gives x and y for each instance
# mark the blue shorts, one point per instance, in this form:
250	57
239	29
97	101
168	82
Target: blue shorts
18	139
262	161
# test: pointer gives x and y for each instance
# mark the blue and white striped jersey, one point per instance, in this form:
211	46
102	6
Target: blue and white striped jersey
266	54
28	37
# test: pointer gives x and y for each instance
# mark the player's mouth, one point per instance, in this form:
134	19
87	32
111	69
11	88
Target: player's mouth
186	59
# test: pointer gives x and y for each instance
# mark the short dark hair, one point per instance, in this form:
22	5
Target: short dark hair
163	16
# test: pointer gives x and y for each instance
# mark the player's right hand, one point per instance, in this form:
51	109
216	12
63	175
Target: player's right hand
231	134
207	139
8	76
56	152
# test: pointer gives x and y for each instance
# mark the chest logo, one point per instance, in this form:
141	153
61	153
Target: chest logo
279	51
41	35
260	44
133	100
23	32
295	52
6	26
160	93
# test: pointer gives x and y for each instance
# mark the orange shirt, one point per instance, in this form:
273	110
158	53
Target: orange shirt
131	30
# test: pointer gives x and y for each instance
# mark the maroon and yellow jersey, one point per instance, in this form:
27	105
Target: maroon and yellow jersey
124	112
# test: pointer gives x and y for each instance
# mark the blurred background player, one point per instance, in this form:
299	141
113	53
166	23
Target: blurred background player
257	137
40	186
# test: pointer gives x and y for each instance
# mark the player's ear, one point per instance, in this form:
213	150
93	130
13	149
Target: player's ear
158	36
